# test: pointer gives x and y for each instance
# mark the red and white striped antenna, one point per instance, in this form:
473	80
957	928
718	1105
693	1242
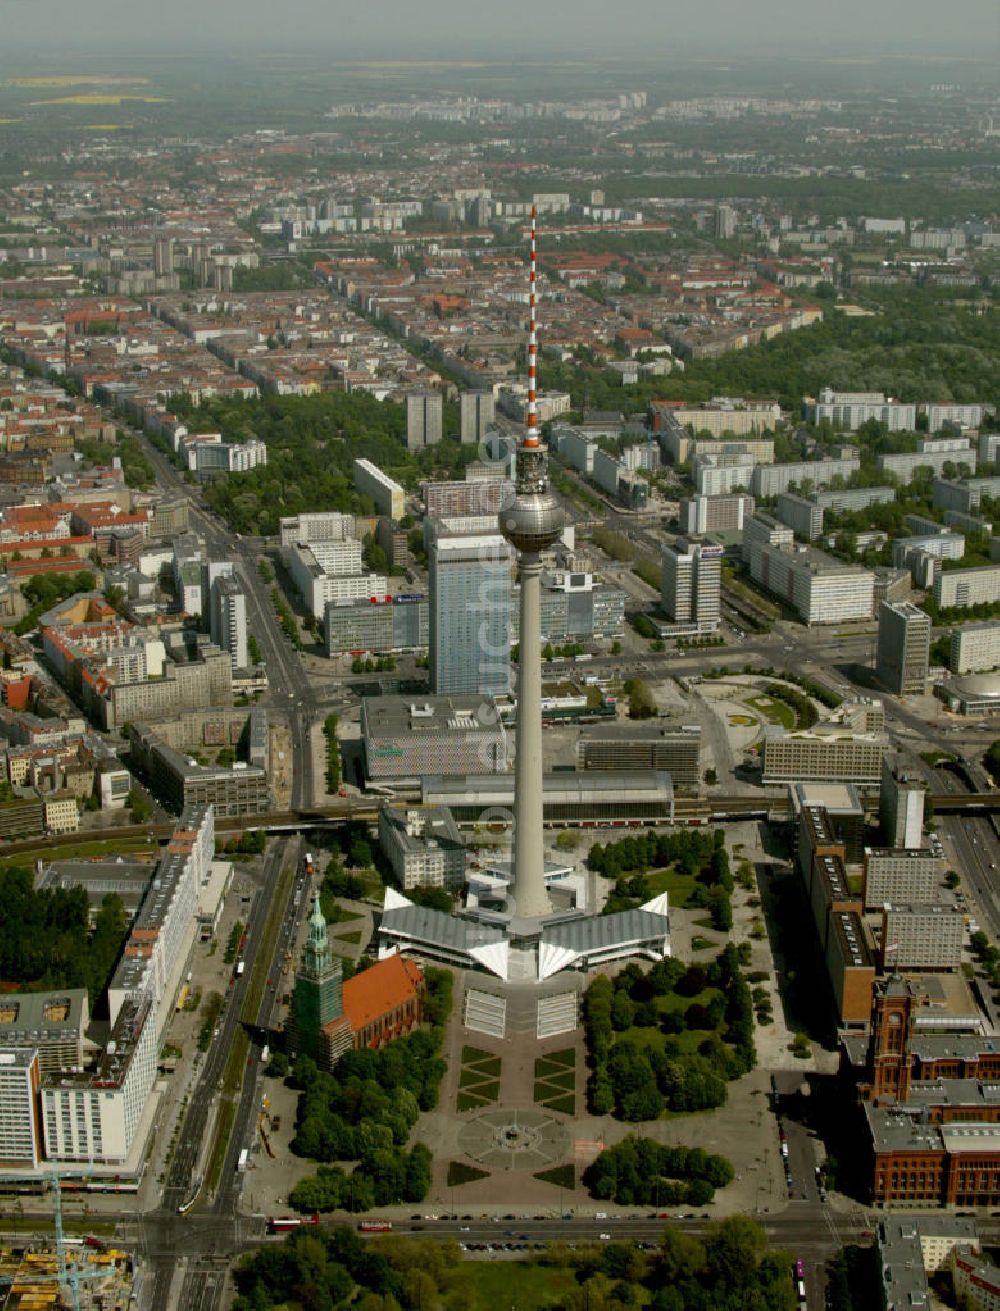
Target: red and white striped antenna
531	436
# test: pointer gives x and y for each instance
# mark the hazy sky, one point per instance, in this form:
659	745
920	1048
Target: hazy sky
397	27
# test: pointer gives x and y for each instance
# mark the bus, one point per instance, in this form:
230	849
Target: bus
241	1164
240	967
283	1224
375	1226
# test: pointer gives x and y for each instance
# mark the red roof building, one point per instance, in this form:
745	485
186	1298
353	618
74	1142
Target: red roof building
380	1003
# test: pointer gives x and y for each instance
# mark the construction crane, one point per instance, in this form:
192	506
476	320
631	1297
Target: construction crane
69	1274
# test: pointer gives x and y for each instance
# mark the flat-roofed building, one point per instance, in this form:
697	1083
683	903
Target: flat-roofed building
422	844
179	781
837	501
830	894
850	409
378	627
819	588
714	478
571	799
823	753
961	588
900	875
470	614
20	1102
389	497
923	935
904	643
477	412
905	465
771	479
901	803
843	812
472	496
803	516
975	648
424	411
963	494
674	750
94	1116
910	1247
325	526
407	738
52	1023
343	581
690	585
715	514
976	1281
851	967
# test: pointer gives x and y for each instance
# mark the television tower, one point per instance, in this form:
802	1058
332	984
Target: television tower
531	524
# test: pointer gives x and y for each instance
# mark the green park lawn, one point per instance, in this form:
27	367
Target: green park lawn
495	1284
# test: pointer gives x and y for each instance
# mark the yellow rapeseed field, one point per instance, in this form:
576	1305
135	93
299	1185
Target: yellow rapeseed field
101	99
75	79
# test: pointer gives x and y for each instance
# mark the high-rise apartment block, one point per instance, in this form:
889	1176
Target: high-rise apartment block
424	411
691	584
715	514
228	618
962	588
725	222
974	648
389	497
478	410
470	599
901	804
851	409
904	643
20	1093
804	517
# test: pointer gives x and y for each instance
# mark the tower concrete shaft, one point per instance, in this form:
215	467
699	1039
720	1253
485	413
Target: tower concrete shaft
531	901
